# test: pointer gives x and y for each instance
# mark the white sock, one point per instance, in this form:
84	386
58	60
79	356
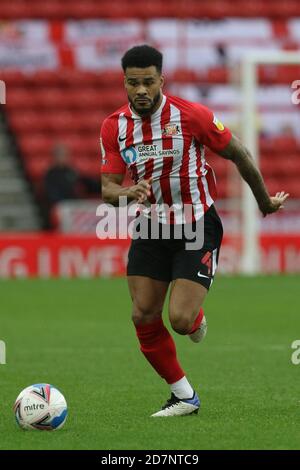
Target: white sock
182	388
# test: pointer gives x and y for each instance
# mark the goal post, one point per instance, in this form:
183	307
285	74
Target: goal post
250	259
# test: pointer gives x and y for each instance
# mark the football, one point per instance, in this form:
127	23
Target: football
41	406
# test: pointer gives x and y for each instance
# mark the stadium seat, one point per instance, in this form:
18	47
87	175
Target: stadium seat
12	77
46	78
20	98
87	166
69	104
109	78
279	144
15	10
218	75
34	145
183	76
83	145
293	187
37	167
26	122
77	9
53	98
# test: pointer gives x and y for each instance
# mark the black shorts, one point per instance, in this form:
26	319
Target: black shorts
168	259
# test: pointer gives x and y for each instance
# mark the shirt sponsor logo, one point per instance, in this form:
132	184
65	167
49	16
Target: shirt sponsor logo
218	124
141	153
171	129
129	155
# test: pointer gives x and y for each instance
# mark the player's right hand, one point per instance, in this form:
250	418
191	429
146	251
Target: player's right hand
141	191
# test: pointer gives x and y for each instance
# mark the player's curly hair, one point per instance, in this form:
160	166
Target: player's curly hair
142	56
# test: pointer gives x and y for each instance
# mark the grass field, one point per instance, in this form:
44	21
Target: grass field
78	336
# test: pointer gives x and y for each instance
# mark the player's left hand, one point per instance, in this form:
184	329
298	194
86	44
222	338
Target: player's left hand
275	203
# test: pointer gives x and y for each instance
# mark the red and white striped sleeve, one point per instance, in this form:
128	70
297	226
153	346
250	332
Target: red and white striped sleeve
207	128
112	161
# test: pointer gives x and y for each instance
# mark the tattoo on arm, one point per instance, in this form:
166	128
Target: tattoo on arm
242	158
112	188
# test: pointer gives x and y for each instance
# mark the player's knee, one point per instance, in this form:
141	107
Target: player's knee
182	324
142	314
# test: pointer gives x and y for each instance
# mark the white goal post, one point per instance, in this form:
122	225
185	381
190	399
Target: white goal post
250	259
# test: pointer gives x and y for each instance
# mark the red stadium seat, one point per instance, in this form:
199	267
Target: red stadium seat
292	186
53	98
26	122
109	78
34	145
279	144
278	74
56	122
80	145
12	77
64	121
15	10
50	10
46	78
69	105
88	9
87	166
285	144
112	99
77	78
85	98
20	98
218	75
183	76
55	9
37	167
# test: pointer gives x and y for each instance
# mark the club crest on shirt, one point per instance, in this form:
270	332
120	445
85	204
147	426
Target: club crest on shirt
171	129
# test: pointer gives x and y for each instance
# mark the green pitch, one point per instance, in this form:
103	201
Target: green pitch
77	335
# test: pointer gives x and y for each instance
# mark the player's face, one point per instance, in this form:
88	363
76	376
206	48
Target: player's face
144	89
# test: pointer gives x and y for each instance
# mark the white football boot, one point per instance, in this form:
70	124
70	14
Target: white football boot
179	407
200	333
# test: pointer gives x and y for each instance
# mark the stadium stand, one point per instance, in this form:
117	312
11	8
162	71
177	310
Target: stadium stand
64	76
147	9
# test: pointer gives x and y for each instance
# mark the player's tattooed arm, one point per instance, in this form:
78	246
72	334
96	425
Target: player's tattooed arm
242	158
112	189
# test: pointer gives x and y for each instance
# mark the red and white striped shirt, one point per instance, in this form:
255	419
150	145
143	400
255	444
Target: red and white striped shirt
169	147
